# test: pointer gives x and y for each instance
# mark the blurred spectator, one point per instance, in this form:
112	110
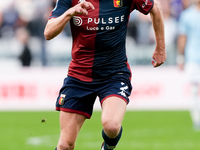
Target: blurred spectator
10	19
189	54
30	14
33	15
132	26
25	57
177	6
186	3
143	28
33	12
1	18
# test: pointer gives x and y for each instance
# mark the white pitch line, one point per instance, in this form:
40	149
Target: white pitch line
46	140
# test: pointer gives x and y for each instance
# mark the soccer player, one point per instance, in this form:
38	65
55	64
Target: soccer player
189	54
99	64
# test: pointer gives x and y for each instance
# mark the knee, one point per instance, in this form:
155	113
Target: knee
65	145
111	127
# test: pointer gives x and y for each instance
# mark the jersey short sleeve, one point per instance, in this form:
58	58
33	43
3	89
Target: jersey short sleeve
60	8
143	6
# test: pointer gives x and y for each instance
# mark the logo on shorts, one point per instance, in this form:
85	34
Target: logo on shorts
61	99
123	89
117	3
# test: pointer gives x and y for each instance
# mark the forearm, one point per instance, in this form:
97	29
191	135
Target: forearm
56	25
181	44
159	54
158	25
181	48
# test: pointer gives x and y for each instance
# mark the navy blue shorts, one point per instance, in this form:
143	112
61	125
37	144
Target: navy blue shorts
78	97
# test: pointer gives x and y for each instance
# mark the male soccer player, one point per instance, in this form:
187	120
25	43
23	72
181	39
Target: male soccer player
189	50
99	64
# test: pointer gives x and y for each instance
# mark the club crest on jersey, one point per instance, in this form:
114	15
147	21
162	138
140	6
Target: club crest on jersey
118	3
61	99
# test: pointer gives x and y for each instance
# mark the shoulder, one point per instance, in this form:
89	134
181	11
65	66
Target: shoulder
187	12
144	6
63	3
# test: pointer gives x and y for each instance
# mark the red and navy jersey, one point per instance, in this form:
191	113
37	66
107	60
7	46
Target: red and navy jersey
98	49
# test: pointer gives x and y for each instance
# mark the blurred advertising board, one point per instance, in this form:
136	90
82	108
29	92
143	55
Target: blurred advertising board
163	88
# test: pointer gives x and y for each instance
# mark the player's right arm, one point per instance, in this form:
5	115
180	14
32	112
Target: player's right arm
55	26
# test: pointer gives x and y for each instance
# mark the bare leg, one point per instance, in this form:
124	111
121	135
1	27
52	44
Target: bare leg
195	110
113	110
70	124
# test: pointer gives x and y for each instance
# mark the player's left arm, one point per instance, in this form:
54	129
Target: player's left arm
159	54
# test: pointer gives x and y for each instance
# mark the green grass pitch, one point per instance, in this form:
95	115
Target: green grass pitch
143	130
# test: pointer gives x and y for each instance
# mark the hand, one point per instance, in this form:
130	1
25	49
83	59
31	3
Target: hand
159	56
180	60
81	8
181	67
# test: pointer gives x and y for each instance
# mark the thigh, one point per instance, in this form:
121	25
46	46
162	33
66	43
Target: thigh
70	124
113	110
113	96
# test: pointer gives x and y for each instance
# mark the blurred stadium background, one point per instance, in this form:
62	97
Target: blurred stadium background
33	69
